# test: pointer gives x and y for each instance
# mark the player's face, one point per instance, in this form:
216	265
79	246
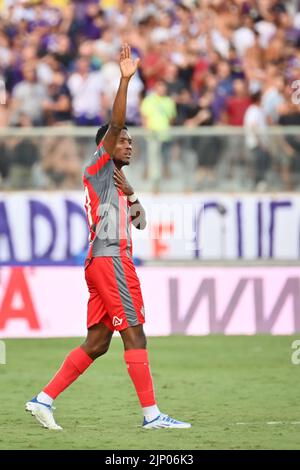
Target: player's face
123	149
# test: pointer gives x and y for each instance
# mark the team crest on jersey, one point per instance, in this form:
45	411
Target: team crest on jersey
117	321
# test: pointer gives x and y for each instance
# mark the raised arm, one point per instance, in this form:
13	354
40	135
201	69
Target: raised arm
128	67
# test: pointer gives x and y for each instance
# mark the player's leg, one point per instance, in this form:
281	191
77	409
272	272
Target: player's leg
77	361
137	361
125	305
117	281
98	340
100	330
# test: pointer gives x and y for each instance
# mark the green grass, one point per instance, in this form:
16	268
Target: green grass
216	382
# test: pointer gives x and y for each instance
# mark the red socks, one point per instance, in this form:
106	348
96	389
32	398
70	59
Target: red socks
138	368
74	365
78	361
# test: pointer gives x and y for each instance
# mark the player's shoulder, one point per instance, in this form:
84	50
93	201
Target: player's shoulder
100	147
99	161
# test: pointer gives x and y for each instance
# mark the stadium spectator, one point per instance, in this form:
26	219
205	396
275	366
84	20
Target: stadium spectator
57	108
244	35
93	21
229	40
185	107
223	89
254	57
24	155
174	83
237	104
195	47
218	101
5	164
206	148
255	124
290	116
27	97
273	98
107	46
86	90
158	112
61	163
153	64
61	48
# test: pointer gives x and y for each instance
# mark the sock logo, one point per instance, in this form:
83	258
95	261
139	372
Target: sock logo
117	321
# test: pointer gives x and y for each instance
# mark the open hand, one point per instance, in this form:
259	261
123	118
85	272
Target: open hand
122	183
128	66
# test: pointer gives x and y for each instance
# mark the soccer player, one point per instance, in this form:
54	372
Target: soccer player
115	301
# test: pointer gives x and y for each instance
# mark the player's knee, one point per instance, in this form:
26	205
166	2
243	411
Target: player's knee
102	349
134	338
96	350
143	342
136	342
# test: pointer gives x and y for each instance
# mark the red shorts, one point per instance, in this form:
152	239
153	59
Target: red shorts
115	293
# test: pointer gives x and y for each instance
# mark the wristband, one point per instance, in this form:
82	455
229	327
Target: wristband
132	198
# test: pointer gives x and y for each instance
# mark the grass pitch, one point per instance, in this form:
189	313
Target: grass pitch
238	393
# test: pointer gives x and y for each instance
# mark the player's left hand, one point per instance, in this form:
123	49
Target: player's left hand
122	183
128	66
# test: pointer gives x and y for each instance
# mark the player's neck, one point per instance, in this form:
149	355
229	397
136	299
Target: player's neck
118	165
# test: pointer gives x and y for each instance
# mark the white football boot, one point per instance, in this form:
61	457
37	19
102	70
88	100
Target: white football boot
164	421
43	413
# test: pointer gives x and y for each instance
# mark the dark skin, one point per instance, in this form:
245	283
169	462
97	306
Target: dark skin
128	67
118	143
99	336
122	152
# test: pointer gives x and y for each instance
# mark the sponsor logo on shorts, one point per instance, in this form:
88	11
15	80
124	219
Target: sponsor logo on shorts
143	310
117	321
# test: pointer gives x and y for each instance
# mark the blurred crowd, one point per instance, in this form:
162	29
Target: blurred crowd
203	62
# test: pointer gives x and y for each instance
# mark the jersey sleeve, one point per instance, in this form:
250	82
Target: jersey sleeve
100	158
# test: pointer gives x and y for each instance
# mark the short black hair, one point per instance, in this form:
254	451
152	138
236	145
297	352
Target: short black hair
102	131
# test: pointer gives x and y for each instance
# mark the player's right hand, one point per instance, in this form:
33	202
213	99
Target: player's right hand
122	183
128	66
